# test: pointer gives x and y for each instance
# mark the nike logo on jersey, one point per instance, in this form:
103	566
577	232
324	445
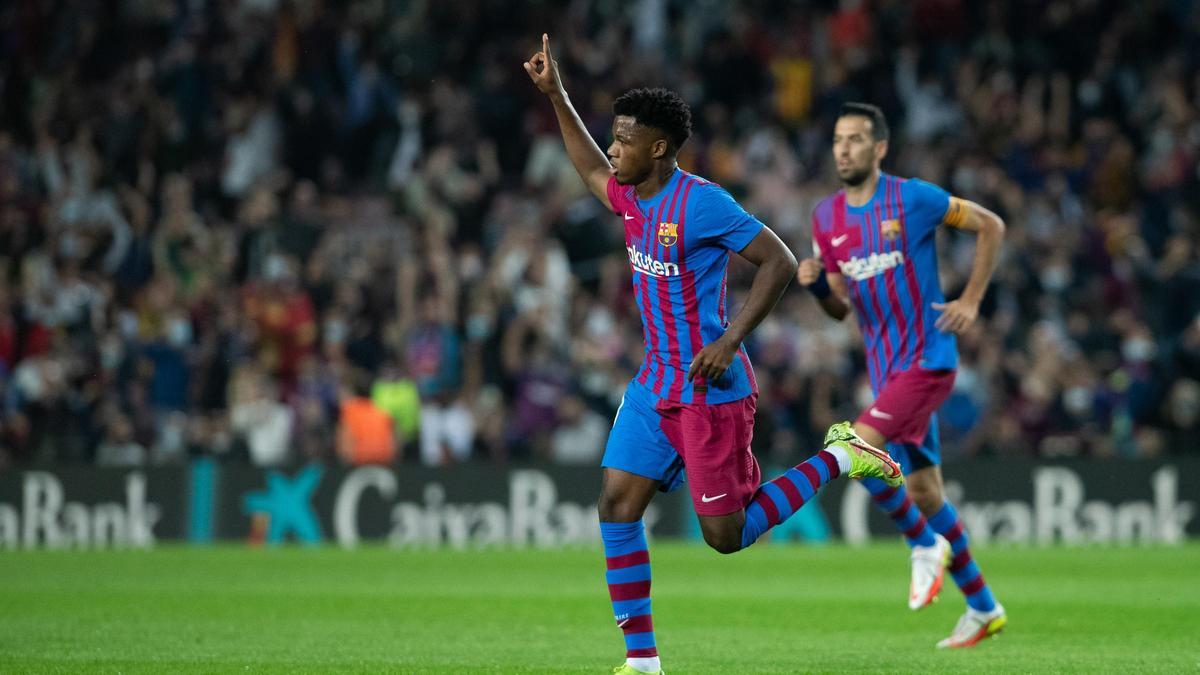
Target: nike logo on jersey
838	241
628	217
622	624
880	414
706	499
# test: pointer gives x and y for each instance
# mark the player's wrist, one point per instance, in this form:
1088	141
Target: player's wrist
971	300
731	339
820	288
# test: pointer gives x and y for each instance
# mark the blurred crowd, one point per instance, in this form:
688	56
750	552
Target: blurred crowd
287	230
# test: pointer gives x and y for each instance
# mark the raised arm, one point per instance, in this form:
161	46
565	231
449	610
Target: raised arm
589	160
958	315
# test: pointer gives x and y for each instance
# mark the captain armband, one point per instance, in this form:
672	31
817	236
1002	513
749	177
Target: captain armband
956	213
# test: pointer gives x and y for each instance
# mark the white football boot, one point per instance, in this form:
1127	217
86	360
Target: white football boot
974	626
928	571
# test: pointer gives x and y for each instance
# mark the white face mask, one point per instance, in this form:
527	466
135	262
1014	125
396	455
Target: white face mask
179	332
1055	278
1078	400
1138	349
127	322
111	353
335	331
479	327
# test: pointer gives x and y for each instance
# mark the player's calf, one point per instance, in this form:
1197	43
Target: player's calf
845	453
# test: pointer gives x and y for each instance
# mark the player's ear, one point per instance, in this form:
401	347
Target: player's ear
659	149
881	148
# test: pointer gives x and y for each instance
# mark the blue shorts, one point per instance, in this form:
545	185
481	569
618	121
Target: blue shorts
657	438
913	457
638	444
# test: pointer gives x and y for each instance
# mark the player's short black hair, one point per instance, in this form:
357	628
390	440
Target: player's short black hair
879	125
660	108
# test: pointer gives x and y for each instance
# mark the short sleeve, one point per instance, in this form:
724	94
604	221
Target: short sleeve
616	196
827	261
721	220
926	205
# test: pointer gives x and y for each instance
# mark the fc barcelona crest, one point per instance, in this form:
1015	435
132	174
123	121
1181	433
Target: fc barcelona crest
668	233
890	229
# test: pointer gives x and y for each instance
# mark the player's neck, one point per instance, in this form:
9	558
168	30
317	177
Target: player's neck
658	178
858	195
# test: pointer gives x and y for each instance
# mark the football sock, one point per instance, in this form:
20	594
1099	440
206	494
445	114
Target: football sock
647	665
895	502
843	458
628	578
962	566
776	501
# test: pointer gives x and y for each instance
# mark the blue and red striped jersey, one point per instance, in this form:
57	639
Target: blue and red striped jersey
886	251
678	243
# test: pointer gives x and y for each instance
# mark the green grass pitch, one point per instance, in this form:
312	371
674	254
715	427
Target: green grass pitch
780	609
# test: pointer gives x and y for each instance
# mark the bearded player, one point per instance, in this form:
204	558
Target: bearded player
692	402
875	246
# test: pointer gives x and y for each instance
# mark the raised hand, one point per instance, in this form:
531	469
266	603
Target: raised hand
543	69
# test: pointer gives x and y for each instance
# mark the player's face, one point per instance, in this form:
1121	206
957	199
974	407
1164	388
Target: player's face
855	151
633	150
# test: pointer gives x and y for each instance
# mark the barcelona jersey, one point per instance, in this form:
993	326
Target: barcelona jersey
886	252
678	242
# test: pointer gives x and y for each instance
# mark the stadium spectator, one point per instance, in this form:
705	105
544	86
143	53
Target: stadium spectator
366	434
300	190
258	419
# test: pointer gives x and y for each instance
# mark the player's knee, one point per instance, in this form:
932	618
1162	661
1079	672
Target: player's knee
927	495
723	542
721	538
615	510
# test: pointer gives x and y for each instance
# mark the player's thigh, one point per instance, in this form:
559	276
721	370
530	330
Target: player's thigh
870	434
714	441
638	460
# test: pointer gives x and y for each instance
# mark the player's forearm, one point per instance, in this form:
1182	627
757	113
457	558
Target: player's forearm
990	238
834	306
829	291
585	155
769	284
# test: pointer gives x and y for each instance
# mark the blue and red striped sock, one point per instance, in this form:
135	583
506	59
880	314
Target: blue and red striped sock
628	577
895	502
962	566
777	500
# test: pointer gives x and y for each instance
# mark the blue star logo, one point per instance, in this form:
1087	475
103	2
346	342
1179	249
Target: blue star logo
287	503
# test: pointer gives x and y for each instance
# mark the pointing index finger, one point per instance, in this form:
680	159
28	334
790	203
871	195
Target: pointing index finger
546	44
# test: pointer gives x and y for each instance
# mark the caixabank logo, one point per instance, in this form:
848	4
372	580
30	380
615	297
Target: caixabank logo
467	507
285	508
